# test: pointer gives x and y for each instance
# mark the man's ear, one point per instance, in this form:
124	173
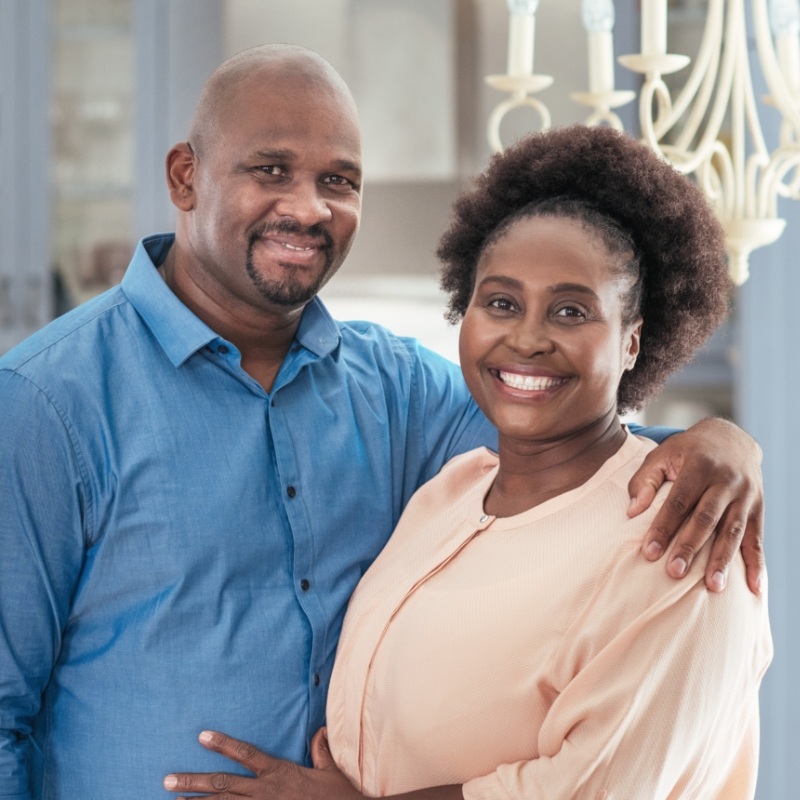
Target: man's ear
180	175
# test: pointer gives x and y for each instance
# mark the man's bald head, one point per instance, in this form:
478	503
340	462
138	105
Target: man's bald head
282	65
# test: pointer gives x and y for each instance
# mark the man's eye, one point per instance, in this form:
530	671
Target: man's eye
338	180
271	169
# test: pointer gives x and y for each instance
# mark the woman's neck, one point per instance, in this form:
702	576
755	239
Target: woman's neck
531	473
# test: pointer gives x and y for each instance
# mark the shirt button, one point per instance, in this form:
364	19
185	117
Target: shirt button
291	491
316	679
223	349
304	585
484	518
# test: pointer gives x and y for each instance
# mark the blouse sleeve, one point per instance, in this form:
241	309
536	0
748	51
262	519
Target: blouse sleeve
657	694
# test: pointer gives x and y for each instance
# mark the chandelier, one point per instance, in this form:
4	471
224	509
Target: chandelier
709	128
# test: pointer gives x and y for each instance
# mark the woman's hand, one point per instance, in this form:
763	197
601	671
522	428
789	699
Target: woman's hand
274	777
716	469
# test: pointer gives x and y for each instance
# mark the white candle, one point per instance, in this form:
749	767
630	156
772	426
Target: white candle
654	27
520	44
598	19
601	61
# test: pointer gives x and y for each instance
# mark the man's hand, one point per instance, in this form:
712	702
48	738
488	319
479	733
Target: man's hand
718	488
275	779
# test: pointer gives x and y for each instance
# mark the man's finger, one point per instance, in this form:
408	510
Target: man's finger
694	524
644	484
728	539
753	549
212	782
243	753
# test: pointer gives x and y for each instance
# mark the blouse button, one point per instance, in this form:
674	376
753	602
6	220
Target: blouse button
485	518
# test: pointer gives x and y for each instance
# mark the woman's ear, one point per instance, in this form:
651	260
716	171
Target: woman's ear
632	345
180	175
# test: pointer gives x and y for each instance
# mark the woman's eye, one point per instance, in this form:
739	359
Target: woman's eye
571	312
501	304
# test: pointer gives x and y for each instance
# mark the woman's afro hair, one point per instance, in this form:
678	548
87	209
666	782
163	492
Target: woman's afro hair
680	245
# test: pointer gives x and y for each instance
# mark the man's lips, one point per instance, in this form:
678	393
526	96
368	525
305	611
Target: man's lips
295	249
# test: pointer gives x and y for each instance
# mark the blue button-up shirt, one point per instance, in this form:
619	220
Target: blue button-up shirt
177	546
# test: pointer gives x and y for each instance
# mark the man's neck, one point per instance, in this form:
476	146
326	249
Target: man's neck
262	338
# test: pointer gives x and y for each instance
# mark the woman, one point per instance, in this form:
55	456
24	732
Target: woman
491	651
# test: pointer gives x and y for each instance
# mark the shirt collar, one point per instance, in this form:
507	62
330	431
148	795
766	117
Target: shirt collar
180	332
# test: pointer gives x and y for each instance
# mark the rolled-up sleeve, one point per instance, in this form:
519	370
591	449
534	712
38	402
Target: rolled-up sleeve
42	510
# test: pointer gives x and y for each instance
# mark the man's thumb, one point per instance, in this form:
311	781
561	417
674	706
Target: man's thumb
321	756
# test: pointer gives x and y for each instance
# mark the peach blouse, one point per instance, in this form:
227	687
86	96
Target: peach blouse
541	656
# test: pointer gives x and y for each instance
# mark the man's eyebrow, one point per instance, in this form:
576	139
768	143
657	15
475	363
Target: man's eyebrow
275	155
342	164
346	165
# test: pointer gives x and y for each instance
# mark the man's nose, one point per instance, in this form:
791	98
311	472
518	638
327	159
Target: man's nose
303	201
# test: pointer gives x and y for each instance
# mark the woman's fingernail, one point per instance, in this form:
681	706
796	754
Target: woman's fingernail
170	782
206	737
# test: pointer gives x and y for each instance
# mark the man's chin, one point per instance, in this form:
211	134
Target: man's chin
291	291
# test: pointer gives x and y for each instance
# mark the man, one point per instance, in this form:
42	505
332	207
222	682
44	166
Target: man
198	465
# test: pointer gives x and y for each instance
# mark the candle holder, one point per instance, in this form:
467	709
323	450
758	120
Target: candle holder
709	129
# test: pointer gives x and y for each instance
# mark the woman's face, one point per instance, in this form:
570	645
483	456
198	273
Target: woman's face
542	342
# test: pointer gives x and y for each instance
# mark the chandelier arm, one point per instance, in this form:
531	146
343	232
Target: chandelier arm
719	179
653	90
502	108
685	159
760	158
782	162
605	115
781	94
757	206
744	168
703	75
724	88
700	103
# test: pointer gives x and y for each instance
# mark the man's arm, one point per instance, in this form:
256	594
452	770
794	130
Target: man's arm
42	552
718	490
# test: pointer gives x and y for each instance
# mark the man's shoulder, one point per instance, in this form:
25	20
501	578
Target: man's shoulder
65	339
364	337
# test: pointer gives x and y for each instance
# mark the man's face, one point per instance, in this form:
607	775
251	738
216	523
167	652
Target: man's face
277	192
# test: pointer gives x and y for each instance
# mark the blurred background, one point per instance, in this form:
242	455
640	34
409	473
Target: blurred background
94	92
